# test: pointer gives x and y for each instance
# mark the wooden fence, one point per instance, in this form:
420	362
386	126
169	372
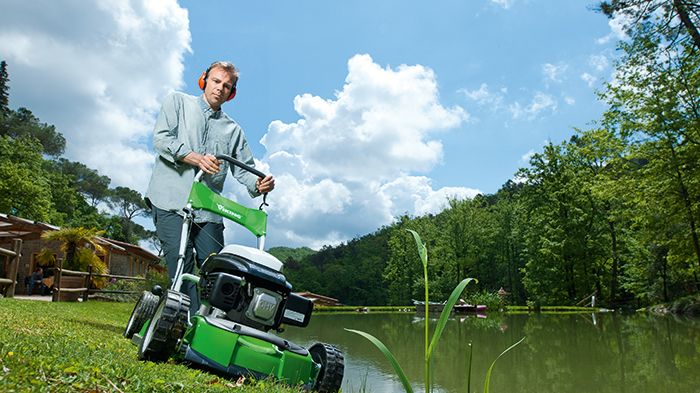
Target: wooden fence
87	279
8	285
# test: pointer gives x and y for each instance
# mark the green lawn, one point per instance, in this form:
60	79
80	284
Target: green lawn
79	347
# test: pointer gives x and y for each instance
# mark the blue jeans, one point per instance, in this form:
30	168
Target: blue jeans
32	284
205	239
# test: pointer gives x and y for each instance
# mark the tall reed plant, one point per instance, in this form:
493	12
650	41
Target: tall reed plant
442	321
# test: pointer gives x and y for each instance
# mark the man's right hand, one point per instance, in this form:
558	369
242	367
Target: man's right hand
206	162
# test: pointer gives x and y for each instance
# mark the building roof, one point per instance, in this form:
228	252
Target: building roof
12	227
131	248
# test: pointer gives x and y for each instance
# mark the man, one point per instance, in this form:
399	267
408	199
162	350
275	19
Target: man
189	132
36	278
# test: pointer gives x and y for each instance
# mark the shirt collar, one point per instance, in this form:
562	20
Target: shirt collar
206	109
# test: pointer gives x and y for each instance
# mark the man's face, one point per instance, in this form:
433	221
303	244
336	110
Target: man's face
218	88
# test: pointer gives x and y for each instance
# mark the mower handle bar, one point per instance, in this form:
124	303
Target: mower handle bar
239	164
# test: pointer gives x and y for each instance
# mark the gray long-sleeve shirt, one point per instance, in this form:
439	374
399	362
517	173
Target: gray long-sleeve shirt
186	124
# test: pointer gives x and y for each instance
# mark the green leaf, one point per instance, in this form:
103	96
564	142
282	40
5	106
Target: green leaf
446	312
487	382
389	356
422	251
469	370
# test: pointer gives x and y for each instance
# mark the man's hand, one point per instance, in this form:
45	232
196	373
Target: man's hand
207	162
265	185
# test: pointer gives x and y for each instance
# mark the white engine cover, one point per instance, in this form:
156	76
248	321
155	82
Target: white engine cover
255	255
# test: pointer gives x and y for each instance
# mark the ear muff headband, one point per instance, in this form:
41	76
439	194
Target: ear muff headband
203	83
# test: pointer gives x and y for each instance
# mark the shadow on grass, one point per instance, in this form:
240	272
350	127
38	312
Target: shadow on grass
99	325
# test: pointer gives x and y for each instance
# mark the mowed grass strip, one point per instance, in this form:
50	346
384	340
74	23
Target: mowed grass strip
79	347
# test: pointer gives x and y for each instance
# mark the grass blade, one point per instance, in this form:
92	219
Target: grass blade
469	370
446	312
487	382
422	251
389	356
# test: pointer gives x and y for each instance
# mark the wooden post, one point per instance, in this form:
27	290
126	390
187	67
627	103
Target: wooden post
88	280
57	281
14	266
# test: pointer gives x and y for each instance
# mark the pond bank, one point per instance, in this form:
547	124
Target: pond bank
686	306
507	309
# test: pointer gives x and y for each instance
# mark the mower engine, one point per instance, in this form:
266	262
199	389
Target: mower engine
247	285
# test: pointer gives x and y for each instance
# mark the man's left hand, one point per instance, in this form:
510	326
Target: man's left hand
265	185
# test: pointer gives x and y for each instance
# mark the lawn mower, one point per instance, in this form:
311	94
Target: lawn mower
244	296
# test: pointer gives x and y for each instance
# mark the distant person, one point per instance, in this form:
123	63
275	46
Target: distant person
189	132
37	277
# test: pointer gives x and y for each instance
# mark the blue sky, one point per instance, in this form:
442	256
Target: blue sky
363	110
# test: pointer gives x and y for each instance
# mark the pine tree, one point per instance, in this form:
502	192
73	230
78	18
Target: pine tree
4	89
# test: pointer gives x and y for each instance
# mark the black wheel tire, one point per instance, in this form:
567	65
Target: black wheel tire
166	328
332	367
143	311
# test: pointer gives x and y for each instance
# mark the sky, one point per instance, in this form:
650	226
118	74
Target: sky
362	110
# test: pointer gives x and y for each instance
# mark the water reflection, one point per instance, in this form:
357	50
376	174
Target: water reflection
561	353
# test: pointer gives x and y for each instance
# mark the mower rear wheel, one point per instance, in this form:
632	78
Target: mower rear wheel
332	367
166	328
143	311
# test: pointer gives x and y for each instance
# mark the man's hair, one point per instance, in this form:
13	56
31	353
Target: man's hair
228	67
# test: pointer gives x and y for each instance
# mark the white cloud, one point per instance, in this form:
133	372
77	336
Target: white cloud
599	62
97	70
415	195
506	4
525	159
554	72
344	167
382	119
618	26
484	96
540	103
570	100
589	79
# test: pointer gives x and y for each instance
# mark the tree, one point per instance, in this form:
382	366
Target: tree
655	105
22	122
129	204
72	240
80	245
93	186
4	90
24	188
666	13
562	242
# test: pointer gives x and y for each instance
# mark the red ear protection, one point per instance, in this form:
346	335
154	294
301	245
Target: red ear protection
202	82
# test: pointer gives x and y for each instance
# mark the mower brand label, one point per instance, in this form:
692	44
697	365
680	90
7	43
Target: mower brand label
294	316
222	208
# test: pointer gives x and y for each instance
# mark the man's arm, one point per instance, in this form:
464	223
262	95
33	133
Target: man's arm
165	138
256	186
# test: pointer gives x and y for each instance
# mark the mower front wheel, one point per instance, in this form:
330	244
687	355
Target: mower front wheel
143	311
332	367
166	328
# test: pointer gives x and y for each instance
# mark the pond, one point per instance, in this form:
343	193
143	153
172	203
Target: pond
603	352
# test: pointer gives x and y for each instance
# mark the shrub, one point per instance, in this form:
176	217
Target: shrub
134	286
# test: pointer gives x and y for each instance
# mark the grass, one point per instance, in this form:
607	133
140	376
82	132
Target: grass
79	347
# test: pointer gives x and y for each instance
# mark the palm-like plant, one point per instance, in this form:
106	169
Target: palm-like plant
78	244
46	257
